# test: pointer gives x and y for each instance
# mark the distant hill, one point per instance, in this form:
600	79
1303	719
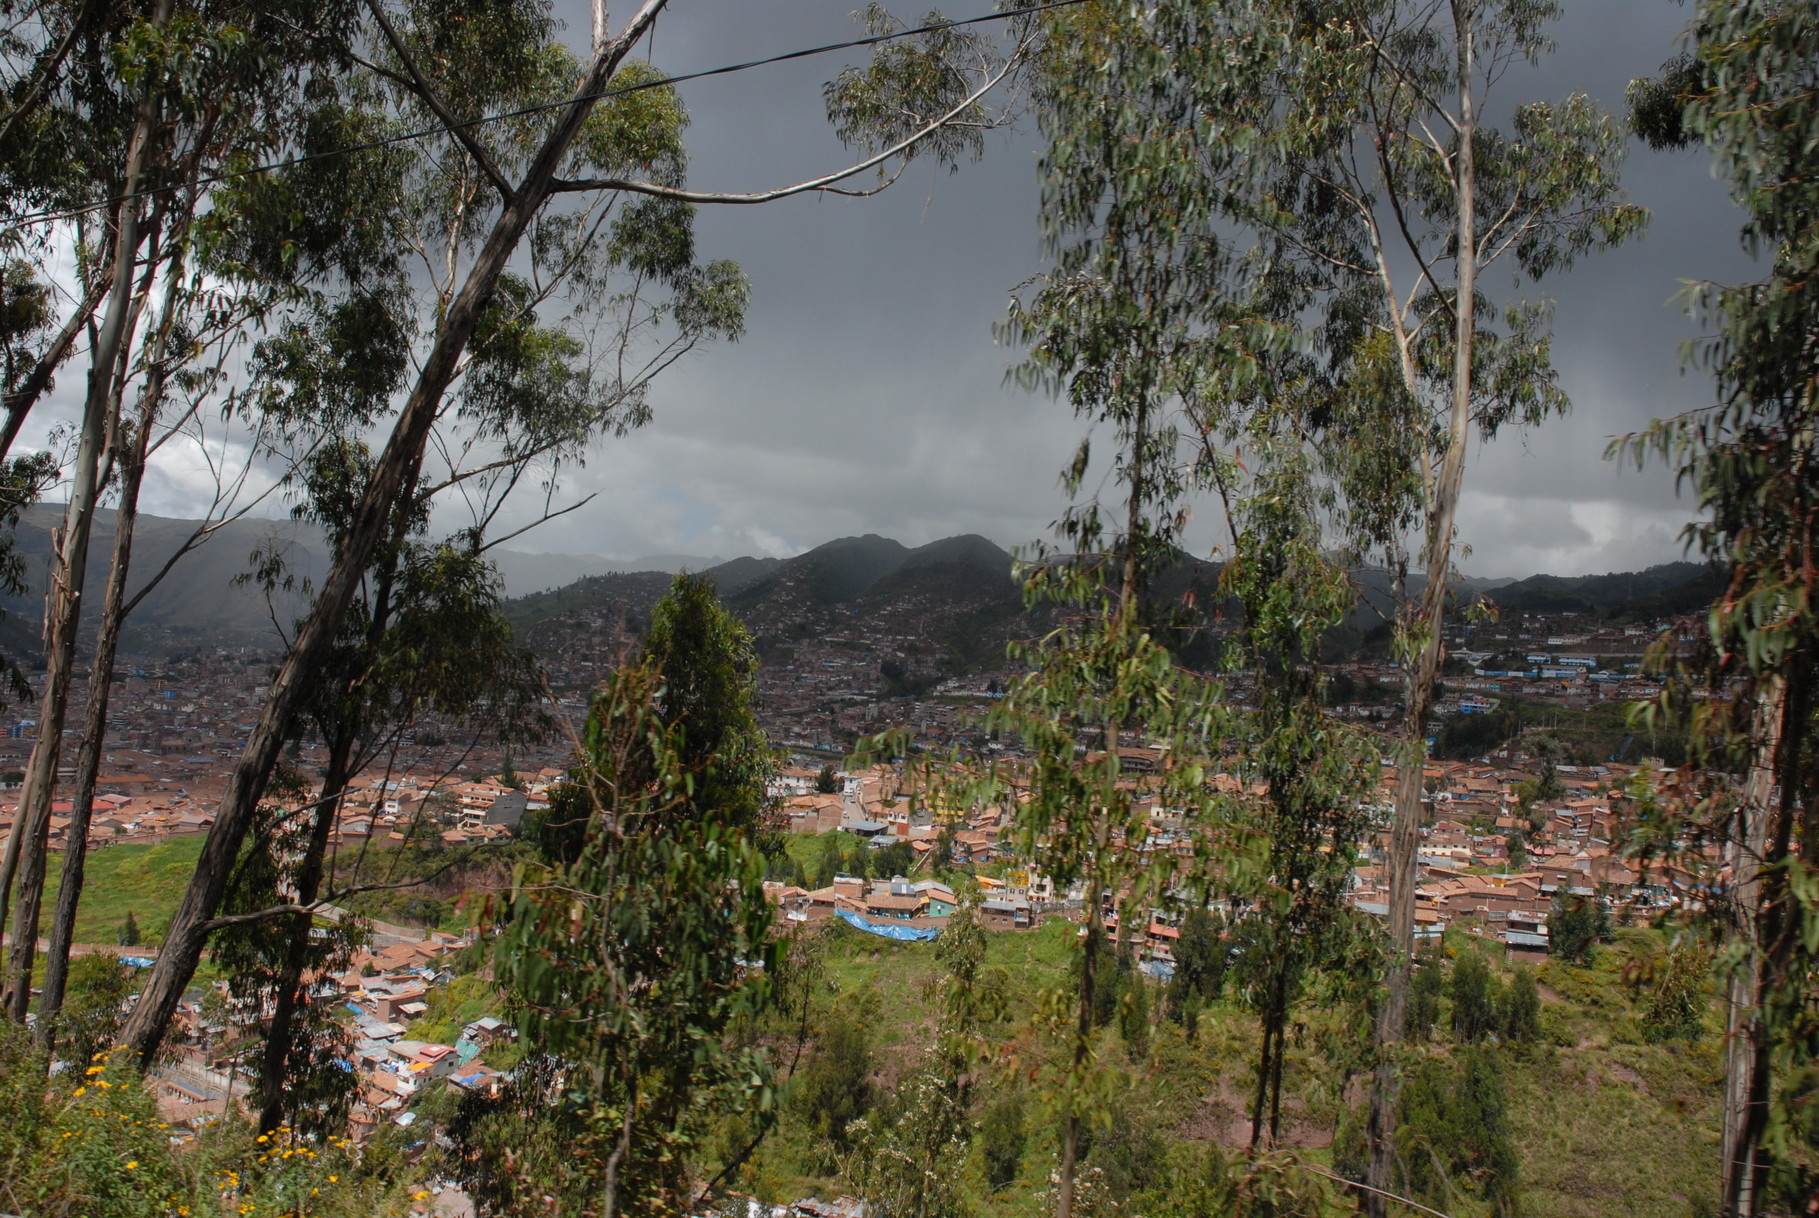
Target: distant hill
1660	591
199	604
878	568
525	573
954	598
950	605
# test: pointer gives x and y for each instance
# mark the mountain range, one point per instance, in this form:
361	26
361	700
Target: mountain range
201	603
954	600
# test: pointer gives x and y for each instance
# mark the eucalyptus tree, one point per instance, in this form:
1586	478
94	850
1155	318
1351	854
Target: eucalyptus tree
1344	143
261	960
560	232
1103	669
64	124
424	635
630	966
180	376
1150	324
206	84
65	120
1748	89
710	693
1318	772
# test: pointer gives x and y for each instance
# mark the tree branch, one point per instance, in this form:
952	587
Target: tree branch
462	132
544	518
35	94
820	185
20	402
323	905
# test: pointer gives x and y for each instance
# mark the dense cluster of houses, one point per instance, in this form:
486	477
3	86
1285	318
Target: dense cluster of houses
1476	814
1570	843
380	995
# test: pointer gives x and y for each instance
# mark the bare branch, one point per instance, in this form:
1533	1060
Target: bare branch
544	518
820	185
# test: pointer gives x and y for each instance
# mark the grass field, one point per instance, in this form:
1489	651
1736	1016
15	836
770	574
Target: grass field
1603	1122
144	880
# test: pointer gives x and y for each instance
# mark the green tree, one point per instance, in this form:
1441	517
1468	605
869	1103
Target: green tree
1675	1001
1518	848
710	687
1745	89
1522	1008
568	220
1474	998
1424	1000
1316	771
628	971
909	1156
98	990
1134	1016
1099	674
1002	1136
1575	925
184	90
894	860
1346	142
129	931
835	1088
1199	968
909	1153
829	865
425	635
1454	1132
263	960
1549	787
827	781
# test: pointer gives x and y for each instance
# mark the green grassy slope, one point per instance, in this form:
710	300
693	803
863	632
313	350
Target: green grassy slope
145	880
1604	1122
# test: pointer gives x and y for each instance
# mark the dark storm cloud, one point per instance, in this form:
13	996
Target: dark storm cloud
868	394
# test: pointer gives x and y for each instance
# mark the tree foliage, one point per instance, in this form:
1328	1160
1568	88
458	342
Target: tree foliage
1475	998
1454	1136
1575	925
710	688
630	967
1521	1016
1747	89
836	1088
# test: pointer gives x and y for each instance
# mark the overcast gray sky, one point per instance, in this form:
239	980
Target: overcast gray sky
868	394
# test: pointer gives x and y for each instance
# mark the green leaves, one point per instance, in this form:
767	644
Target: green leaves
1749	90
635	133
910	84
634	954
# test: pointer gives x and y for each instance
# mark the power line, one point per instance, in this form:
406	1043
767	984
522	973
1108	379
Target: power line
542	107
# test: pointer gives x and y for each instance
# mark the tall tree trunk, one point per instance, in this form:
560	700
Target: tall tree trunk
275	1056
1746	1042
393	480
1071	1125
1426	625
1260	1101
94	736
30	839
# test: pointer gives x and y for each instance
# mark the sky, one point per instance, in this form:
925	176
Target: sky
868	394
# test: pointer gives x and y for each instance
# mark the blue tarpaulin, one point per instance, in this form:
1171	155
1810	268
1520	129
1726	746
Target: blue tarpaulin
885	930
